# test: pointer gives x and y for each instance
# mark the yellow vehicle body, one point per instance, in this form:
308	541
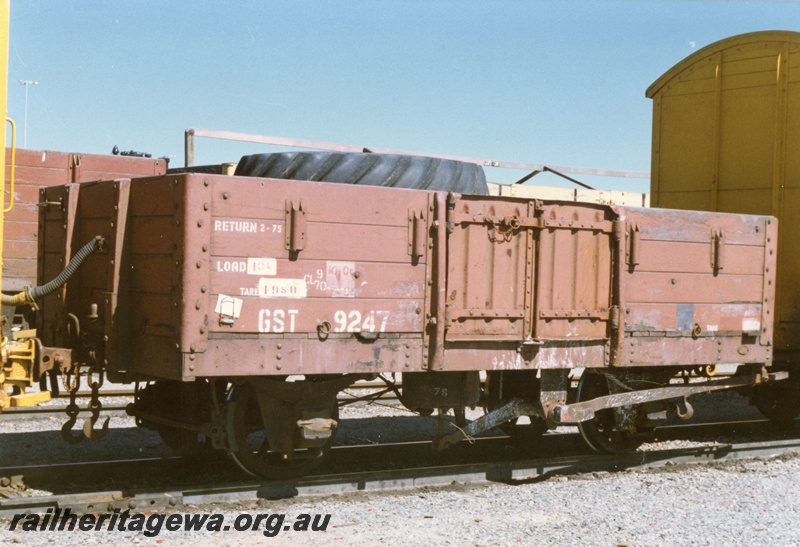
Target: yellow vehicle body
17	353
726	137
4	25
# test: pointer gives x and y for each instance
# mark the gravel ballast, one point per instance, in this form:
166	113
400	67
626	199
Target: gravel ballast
743	503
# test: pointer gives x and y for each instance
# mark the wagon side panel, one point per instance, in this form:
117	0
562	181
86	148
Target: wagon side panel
698	288
283	277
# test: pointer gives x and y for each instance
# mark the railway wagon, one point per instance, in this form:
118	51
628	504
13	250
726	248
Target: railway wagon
726	130
243	305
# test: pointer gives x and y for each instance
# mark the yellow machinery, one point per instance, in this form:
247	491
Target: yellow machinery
19	349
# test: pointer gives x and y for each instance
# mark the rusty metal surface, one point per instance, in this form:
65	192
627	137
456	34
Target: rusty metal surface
36	169
208	275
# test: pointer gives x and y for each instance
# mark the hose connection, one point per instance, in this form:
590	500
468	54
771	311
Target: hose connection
29	295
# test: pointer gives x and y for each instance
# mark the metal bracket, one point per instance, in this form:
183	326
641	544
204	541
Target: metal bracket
295	227
417	234
633	247
602	314
717	250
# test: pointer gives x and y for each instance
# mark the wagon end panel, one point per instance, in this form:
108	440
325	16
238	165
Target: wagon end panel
303	278
697	288
55	243
83	314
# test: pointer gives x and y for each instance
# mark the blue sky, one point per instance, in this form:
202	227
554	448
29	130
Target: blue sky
561	82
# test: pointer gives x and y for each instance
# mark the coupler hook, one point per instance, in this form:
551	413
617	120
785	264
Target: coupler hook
72	410
689	409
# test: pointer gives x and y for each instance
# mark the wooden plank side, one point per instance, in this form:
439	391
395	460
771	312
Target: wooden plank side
683	257
692	288
265	199
40	159
697	227
102	167
151	235
354	272
324	241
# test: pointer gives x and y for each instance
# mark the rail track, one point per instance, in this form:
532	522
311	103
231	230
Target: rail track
173	482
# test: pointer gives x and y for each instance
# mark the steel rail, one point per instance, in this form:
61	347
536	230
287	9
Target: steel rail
385	480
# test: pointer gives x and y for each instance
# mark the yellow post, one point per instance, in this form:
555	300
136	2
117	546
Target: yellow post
4	26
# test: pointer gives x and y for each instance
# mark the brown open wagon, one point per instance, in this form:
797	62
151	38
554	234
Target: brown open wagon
249	303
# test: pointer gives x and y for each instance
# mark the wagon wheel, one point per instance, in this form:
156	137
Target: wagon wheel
252	452
601	432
